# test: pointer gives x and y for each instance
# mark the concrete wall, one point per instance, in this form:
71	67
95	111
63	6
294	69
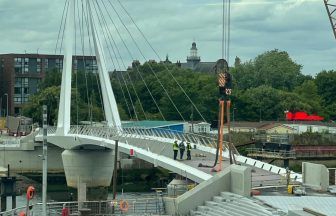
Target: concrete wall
241	179
21	160
236	179
204	191
315	176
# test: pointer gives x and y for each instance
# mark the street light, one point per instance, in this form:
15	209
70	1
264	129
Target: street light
6	111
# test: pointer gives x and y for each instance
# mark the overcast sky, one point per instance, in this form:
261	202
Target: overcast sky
300	27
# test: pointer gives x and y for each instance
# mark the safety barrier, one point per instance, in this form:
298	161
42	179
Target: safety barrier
148	206
138	132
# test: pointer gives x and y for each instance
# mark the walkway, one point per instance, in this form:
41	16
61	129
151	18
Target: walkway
156	148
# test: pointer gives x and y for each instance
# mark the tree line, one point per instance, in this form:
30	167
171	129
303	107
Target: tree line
263	89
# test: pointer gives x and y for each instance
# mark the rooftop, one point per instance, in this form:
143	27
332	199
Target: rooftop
150	124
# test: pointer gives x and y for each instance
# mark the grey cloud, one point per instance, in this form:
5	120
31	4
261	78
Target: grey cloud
300	27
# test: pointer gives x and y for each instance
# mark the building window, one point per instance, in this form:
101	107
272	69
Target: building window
17	110
17	90
21	90
46	64
18	60
18	70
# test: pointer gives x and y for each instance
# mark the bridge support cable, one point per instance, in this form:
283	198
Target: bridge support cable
158	56
151	68
80	17
108	39
81	32
61	28
85	18
115	47
119	82
110	105
130	54
129	95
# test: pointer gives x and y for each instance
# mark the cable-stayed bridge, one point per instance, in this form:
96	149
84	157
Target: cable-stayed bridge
88	155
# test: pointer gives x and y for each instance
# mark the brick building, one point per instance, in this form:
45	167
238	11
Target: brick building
20	75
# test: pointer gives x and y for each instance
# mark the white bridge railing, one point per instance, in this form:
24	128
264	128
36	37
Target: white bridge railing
138	132
149	206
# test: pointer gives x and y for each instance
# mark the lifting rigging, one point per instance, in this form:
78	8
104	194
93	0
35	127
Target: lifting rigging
225	90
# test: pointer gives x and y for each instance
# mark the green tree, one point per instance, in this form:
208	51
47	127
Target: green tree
49	97
275	68
326	87
52	78
237	62
308	93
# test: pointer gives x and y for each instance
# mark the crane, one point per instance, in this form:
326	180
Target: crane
331	10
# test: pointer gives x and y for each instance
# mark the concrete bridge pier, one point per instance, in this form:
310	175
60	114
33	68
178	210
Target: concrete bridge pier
90	171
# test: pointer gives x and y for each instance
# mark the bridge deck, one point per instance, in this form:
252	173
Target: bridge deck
260	177
157	149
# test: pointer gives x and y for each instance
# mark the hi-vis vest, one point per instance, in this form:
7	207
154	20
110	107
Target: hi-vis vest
175	146
188	147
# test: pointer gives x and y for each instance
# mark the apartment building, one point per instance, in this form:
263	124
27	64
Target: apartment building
20	75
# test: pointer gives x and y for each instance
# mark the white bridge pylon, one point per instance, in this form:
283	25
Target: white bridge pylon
109	102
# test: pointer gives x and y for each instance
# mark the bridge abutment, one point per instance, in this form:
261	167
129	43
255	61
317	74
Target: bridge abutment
89	171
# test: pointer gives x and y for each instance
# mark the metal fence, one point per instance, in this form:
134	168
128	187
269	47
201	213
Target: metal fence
152	206
257	152
274	138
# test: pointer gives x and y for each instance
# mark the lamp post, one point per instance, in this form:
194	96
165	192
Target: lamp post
6	111
45	161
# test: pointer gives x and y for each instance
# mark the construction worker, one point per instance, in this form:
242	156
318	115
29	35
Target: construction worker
182	149
175	148
188	151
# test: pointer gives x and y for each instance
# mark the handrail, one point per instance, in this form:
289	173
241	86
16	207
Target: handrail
152	205
138	132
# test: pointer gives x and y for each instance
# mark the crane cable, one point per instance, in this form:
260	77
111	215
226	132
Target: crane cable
226	13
